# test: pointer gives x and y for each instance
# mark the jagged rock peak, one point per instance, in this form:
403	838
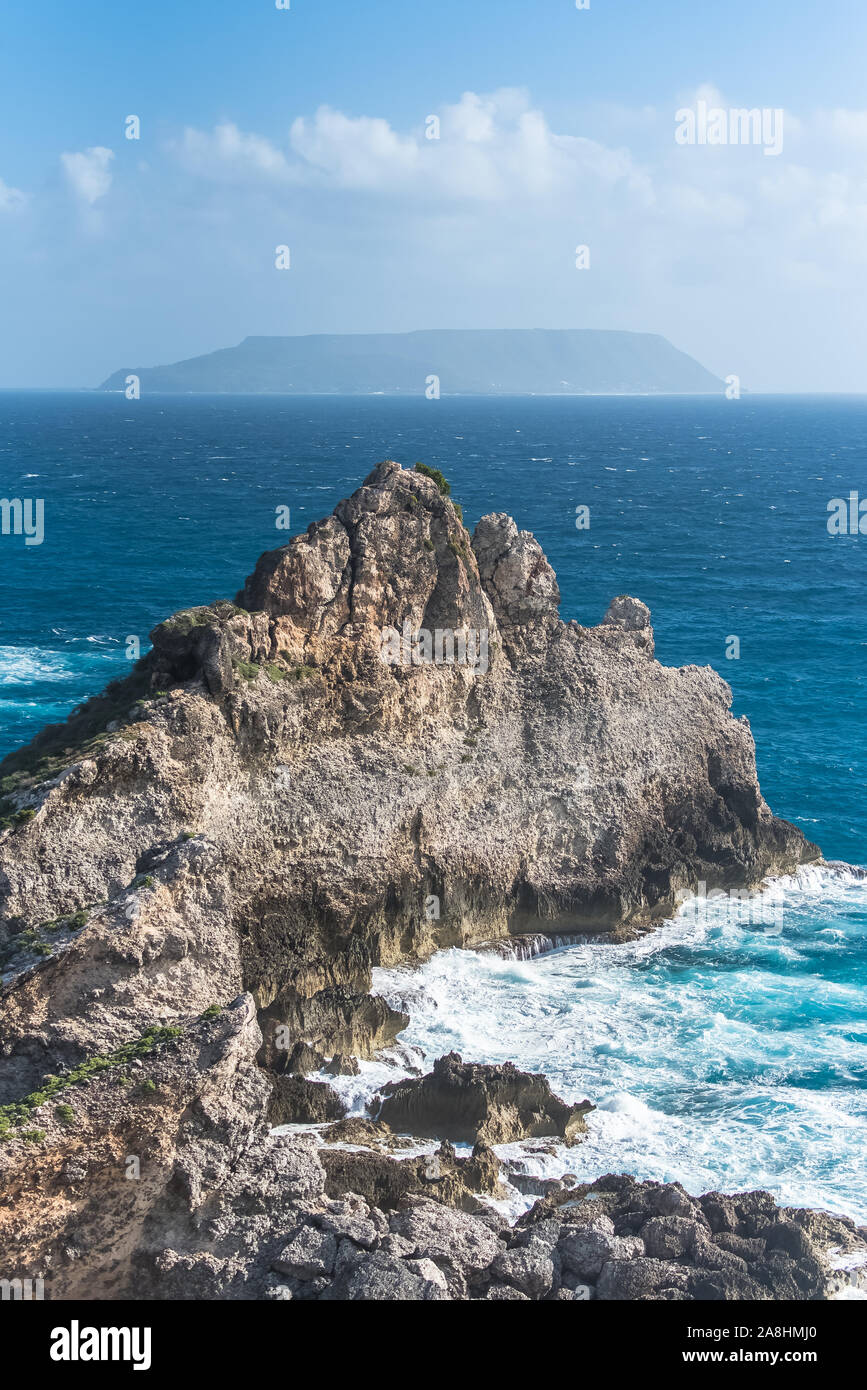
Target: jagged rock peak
268	805
395	552
394	557
519	580
632	616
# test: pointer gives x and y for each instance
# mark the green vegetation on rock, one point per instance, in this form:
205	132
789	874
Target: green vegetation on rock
13	1116
436	476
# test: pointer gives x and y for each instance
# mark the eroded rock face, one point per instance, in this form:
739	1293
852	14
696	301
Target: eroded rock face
632	616
181	1109
521	584
223	1209
263	812
268	806
473	1103
386	1183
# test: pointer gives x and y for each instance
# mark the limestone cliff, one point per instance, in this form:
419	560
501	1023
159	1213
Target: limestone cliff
199	870
266	805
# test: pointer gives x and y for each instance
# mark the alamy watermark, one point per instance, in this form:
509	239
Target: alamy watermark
847	516
716	125
23	516
762	909
444	647
77	1343
22	1290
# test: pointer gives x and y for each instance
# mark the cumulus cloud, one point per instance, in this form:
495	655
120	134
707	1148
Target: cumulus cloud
842	126
654	205
487	148
11	199
500	149
88	173
227	153
354	152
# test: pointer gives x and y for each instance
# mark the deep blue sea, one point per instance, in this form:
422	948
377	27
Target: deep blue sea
720	1054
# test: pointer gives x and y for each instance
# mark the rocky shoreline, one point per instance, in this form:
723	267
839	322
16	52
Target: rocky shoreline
224	1207
263	812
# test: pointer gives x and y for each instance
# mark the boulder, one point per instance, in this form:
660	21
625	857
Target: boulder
380	1278
640	1279
309	1254
296	1100
460	1244
530	1270
470	1102
669	1237
585	1250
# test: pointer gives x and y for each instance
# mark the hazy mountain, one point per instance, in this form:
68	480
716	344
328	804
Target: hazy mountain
467	361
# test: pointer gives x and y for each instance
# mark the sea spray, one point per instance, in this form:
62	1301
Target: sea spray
719	1053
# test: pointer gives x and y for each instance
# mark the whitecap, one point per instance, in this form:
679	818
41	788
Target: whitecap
719	1051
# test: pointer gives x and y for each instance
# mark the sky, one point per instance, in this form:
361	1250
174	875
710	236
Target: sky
308	128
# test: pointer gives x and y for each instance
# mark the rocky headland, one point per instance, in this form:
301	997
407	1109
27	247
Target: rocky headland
201	868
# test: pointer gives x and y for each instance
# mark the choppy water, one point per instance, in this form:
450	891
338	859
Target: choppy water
722	1051
714	512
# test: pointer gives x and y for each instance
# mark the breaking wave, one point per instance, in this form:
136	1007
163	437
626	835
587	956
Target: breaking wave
728	1049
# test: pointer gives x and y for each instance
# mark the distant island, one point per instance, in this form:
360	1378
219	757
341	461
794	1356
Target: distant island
495	362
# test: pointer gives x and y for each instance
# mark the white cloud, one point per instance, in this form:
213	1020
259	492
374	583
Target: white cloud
491	148
354	152
89	173
11	199
228	153
499	170
808	208
849	127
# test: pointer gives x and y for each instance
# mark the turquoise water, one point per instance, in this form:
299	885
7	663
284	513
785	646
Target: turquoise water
720	1053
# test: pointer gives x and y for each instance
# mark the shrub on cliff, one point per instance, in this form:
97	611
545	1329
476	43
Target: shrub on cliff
436	476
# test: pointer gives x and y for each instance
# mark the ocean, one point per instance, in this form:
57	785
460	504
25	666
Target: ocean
719	1051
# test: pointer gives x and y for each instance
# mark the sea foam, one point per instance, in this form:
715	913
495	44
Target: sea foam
719	1052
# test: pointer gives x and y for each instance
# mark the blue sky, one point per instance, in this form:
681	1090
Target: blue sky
306	127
